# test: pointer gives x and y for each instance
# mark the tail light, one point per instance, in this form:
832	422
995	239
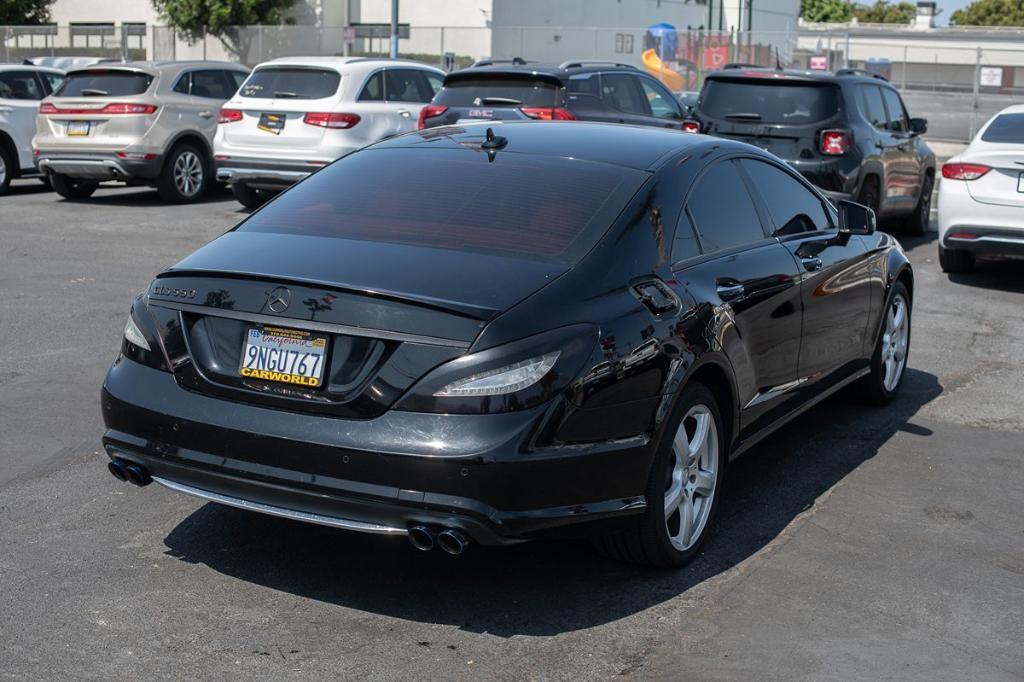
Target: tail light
835	142
964	171
132	156
328	119
691	127
229	116
430	111
47	108
961	235
112	108
549	113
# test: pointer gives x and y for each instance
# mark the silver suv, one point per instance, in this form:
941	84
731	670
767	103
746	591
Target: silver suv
149	123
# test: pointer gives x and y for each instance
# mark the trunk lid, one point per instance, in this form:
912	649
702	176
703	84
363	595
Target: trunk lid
1004	184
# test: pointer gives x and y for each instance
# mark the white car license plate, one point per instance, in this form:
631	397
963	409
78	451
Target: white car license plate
1020	182
78	128
290	356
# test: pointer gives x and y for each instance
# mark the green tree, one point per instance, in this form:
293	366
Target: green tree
884	12
221	18
24	12
825	10
990	13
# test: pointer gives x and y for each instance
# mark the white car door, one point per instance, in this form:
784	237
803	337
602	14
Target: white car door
20	93
406	90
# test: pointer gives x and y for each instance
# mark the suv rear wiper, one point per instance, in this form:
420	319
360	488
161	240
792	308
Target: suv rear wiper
749	116
91	92
284	94
499	100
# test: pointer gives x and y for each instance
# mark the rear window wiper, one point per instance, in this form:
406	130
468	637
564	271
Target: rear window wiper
499	100
92	92
284	94
746	116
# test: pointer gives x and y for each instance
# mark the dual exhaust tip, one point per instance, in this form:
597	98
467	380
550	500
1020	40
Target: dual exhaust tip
450	540
123	470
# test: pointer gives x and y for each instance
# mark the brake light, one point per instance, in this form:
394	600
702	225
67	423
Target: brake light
112	108
229	116
961	235
430	111
47	108
691	127
835	142
129	156
549	113
327	119
964	171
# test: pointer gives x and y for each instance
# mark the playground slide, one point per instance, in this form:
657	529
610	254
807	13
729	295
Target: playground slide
652	62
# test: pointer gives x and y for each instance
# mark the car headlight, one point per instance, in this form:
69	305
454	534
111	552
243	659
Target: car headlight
507	379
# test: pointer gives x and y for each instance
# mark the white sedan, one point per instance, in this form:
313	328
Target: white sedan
981	195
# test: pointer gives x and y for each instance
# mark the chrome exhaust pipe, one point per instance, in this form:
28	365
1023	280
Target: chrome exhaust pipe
422	538
117	469
452	541
137	474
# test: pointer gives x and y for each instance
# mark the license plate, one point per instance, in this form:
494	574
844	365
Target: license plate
289	356
272	123
78	128
1020	182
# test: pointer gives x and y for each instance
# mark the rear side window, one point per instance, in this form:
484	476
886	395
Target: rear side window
660	102
1005	128
291	83
722	209
470	92
779	101
793	207
535	207
897	115
20	85
212	85
622	92
104	84
373	91
406	85
873	108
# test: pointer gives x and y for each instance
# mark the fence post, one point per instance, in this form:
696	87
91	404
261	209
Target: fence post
828	50
977	89
259	43
846	55
903	83
205	35
442	47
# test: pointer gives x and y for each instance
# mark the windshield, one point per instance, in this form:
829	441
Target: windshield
291	83
775	102
474	92
540	207
104	84
1005	128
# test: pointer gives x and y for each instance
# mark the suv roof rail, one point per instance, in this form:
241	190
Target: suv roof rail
487	61
861	72
575	63
744	65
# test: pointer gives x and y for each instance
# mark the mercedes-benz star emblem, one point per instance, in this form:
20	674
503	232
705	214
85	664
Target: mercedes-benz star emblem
279	299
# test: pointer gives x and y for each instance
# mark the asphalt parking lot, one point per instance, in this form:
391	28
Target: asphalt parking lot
868	543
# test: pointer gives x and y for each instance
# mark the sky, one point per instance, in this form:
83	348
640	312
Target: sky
948	7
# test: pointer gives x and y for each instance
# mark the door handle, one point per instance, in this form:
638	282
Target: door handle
404	113
811	263
206	114
730	289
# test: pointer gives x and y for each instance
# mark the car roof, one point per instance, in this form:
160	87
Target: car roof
157	67
560	71
747	72
1012	109
342	62
637	147
30	67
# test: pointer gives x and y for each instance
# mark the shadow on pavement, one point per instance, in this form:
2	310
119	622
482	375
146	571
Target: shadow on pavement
546	588
144	196
28	186
1004	275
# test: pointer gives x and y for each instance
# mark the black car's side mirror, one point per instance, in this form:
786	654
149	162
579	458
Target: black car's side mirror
919	126
855	218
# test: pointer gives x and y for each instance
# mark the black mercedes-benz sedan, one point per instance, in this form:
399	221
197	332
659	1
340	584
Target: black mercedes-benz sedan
491	333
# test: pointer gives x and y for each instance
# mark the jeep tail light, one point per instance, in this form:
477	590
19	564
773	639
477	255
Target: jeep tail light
691	127
430	111
330	119
964	171
835	142
549	113
229	115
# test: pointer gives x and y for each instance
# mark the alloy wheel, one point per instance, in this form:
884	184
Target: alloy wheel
894	342
693	477
188	173
3	170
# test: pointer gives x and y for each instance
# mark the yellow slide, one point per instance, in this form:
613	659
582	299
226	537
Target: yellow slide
652	62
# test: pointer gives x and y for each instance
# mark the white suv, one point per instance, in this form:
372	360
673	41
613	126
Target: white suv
21	89
294	115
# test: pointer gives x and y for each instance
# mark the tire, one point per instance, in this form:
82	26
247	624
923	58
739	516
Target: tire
891	351
917	222
658	538
868	195
73	190
955	262
248	196
6	170
184	178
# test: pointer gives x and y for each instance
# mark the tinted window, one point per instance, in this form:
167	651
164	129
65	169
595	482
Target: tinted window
373	91
776	102
291	83
722	210
1005	128
20	85
792	206
467	92
685	243
237	78
51	81
620	91
585	84
211	84
434	81
405	85
540	207
873	109
182	86
660	102
104	84
897	116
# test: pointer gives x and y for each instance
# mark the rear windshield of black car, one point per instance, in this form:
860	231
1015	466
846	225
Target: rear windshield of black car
1005	128
104	84
537	207
291	83
775	102
475	92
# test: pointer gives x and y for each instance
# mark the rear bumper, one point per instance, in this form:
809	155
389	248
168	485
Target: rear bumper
477	473
987	242
99	166
262	174
996	229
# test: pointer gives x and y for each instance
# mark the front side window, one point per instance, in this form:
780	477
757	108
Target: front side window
434	81
211	85
291	83
897	114
373	91
620	91
722	209
792	207
872	106
660	102
405	85
20	85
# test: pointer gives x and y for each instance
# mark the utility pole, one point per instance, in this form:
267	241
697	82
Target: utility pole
394	29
